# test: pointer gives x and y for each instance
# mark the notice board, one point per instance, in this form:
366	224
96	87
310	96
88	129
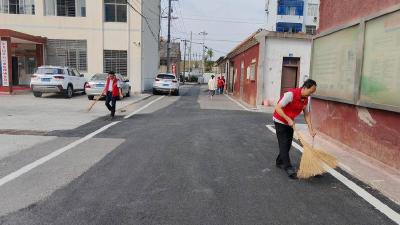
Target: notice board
334	61
380	81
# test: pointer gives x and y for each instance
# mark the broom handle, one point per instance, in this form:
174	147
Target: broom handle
94	103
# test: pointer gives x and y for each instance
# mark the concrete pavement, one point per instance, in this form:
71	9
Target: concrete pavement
186	160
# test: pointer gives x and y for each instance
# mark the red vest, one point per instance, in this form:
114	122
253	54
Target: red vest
220	83
294	108
115	89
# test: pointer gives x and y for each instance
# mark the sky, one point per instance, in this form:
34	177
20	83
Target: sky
227	22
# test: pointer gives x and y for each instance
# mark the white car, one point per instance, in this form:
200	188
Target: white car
166	83
56	79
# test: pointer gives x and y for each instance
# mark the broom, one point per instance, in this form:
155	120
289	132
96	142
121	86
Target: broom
313	160
94	103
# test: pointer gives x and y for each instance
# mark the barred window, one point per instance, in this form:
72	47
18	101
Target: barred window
71	8
17	7
116	61
72	53
311	30
115	10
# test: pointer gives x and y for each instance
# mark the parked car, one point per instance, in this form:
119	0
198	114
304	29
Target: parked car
96	84
166	83
56	79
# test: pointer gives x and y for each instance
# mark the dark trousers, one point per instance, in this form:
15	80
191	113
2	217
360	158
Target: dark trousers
113	100
284	134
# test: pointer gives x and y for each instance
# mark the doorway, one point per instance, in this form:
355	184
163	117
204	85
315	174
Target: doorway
290	74
15	71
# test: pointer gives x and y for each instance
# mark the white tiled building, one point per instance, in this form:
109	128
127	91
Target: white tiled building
292	15
92	35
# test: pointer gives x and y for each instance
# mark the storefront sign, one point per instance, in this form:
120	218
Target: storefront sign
4	62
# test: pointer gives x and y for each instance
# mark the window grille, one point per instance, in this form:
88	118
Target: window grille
71	8
72	53
17	7
116	61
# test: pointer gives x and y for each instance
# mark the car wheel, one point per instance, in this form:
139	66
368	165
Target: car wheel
154	92
90	97
70	92
37	94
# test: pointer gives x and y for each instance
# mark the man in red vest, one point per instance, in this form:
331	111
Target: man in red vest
291	104
112	91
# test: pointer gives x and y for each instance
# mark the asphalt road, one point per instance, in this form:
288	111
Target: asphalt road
182	160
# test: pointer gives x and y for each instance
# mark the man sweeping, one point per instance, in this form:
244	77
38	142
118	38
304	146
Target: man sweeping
291	104
112	91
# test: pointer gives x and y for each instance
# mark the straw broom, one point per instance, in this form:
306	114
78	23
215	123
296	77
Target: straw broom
94	103
313	160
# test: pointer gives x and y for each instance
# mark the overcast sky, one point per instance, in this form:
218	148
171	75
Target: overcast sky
227	22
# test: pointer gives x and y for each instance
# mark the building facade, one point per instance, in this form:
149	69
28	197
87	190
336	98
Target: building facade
284	64
292	16
92	36
266	65
175	57
357	102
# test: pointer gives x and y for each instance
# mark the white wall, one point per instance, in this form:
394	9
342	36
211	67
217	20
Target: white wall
150	42
275	50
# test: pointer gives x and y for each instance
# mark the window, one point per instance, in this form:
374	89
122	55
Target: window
289	27
17	7
312	10
252	75
291	11
116	61
311	30
291	7
71	8
115	10
72	53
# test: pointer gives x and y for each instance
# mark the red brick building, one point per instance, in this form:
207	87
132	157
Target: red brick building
244	62
358	102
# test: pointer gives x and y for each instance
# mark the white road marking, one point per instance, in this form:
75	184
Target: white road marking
58	152
144	107
383	208
238	103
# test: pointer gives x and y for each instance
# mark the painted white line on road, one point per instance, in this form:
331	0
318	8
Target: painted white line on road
58	152
52	155
238	103
383	208
144	107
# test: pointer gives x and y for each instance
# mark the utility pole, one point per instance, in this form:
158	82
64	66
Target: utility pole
204	34
184	62
190	54
169	37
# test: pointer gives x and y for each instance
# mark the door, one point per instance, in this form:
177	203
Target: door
15	71
289	78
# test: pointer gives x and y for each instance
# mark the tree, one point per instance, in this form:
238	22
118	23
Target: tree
210	54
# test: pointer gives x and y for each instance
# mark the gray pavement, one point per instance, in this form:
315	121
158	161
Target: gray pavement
184	160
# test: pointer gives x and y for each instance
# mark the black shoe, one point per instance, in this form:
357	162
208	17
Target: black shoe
279	165
291	173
